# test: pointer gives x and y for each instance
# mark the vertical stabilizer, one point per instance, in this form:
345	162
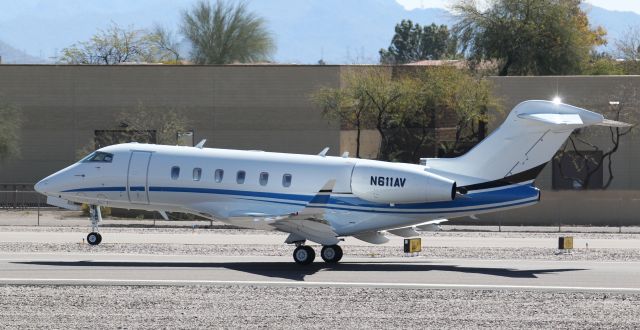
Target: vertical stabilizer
529	137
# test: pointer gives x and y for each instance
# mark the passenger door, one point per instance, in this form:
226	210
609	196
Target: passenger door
137	177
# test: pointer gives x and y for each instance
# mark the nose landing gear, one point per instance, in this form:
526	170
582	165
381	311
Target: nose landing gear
94	238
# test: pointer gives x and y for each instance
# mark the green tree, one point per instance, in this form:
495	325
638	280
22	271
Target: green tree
349	105
408	108
412	42
10	126
453	104
115	45
527	37
224	33
602	64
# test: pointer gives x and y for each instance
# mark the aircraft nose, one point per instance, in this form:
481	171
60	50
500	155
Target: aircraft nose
41	186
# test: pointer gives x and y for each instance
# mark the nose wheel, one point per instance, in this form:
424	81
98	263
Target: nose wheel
94	238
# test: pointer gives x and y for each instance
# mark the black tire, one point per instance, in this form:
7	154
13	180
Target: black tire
94	238
304	255
331	254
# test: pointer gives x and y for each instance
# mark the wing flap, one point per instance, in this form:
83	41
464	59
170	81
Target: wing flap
373	237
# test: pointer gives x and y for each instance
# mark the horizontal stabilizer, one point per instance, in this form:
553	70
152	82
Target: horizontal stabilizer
613	123
554	118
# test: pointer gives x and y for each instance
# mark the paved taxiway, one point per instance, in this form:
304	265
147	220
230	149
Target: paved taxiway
99	265
242	237
416	272
182	278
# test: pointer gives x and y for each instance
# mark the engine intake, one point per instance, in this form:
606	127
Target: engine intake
382	182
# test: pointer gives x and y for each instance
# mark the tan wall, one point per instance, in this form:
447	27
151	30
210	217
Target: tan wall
597	208
369	143
268	107
244	107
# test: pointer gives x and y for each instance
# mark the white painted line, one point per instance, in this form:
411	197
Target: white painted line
97	281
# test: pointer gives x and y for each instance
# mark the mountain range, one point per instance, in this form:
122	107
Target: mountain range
336	31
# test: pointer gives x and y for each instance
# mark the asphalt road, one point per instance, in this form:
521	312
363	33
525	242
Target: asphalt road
243	237
417	272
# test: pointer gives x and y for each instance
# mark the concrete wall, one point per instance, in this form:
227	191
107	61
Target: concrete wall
268	108
244	107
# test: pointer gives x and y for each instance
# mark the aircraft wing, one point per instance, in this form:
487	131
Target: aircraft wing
306	224
378	237
309	223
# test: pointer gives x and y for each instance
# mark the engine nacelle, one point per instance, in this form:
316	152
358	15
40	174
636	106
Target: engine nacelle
399	183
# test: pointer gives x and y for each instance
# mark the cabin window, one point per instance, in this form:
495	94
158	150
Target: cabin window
197	174
219	175
286	180
175	172
240	177
264	178
98	157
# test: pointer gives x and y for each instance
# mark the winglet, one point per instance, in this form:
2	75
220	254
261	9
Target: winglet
324	151
322	197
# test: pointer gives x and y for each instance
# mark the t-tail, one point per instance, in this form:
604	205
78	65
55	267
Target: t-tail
520	148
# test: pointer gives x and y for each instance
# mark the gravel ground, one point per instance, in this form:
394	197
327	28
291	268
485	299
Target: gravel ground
223	229
165	307
353	251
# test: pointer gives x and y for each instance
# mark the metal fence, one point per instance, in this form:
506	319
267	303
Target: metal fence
19	199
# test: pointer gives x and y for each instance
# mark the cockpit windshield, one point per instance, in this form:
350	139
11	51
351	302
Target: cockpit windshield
98	157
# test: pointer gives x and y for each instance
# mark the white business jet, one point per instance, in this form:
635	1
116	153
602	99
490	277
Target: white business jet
320	198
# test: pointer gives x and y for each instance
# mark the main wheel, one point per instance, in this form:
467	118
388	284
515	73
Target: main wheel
304	255
94	238
331	254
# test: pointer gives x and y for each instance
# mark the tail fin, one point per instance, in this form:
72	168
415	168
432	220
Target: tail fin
520	148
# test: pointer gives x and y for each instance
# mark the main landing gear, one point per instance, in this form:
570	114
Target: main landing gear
94	237
304	254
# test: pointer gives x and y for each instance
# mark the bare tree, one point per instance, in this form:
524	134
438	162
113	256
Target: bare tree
159	125
588	158
628	49
112	46
166	42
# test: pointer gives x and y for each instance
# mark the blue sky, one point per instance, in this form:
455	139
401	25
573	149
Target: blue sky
619	5
305	30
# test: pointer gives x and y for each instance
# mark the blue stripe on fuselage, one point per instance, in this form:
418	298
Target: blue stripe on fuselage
472	201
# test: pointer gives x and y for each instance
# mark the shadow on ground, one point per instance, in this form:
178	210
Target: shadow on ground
292	271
